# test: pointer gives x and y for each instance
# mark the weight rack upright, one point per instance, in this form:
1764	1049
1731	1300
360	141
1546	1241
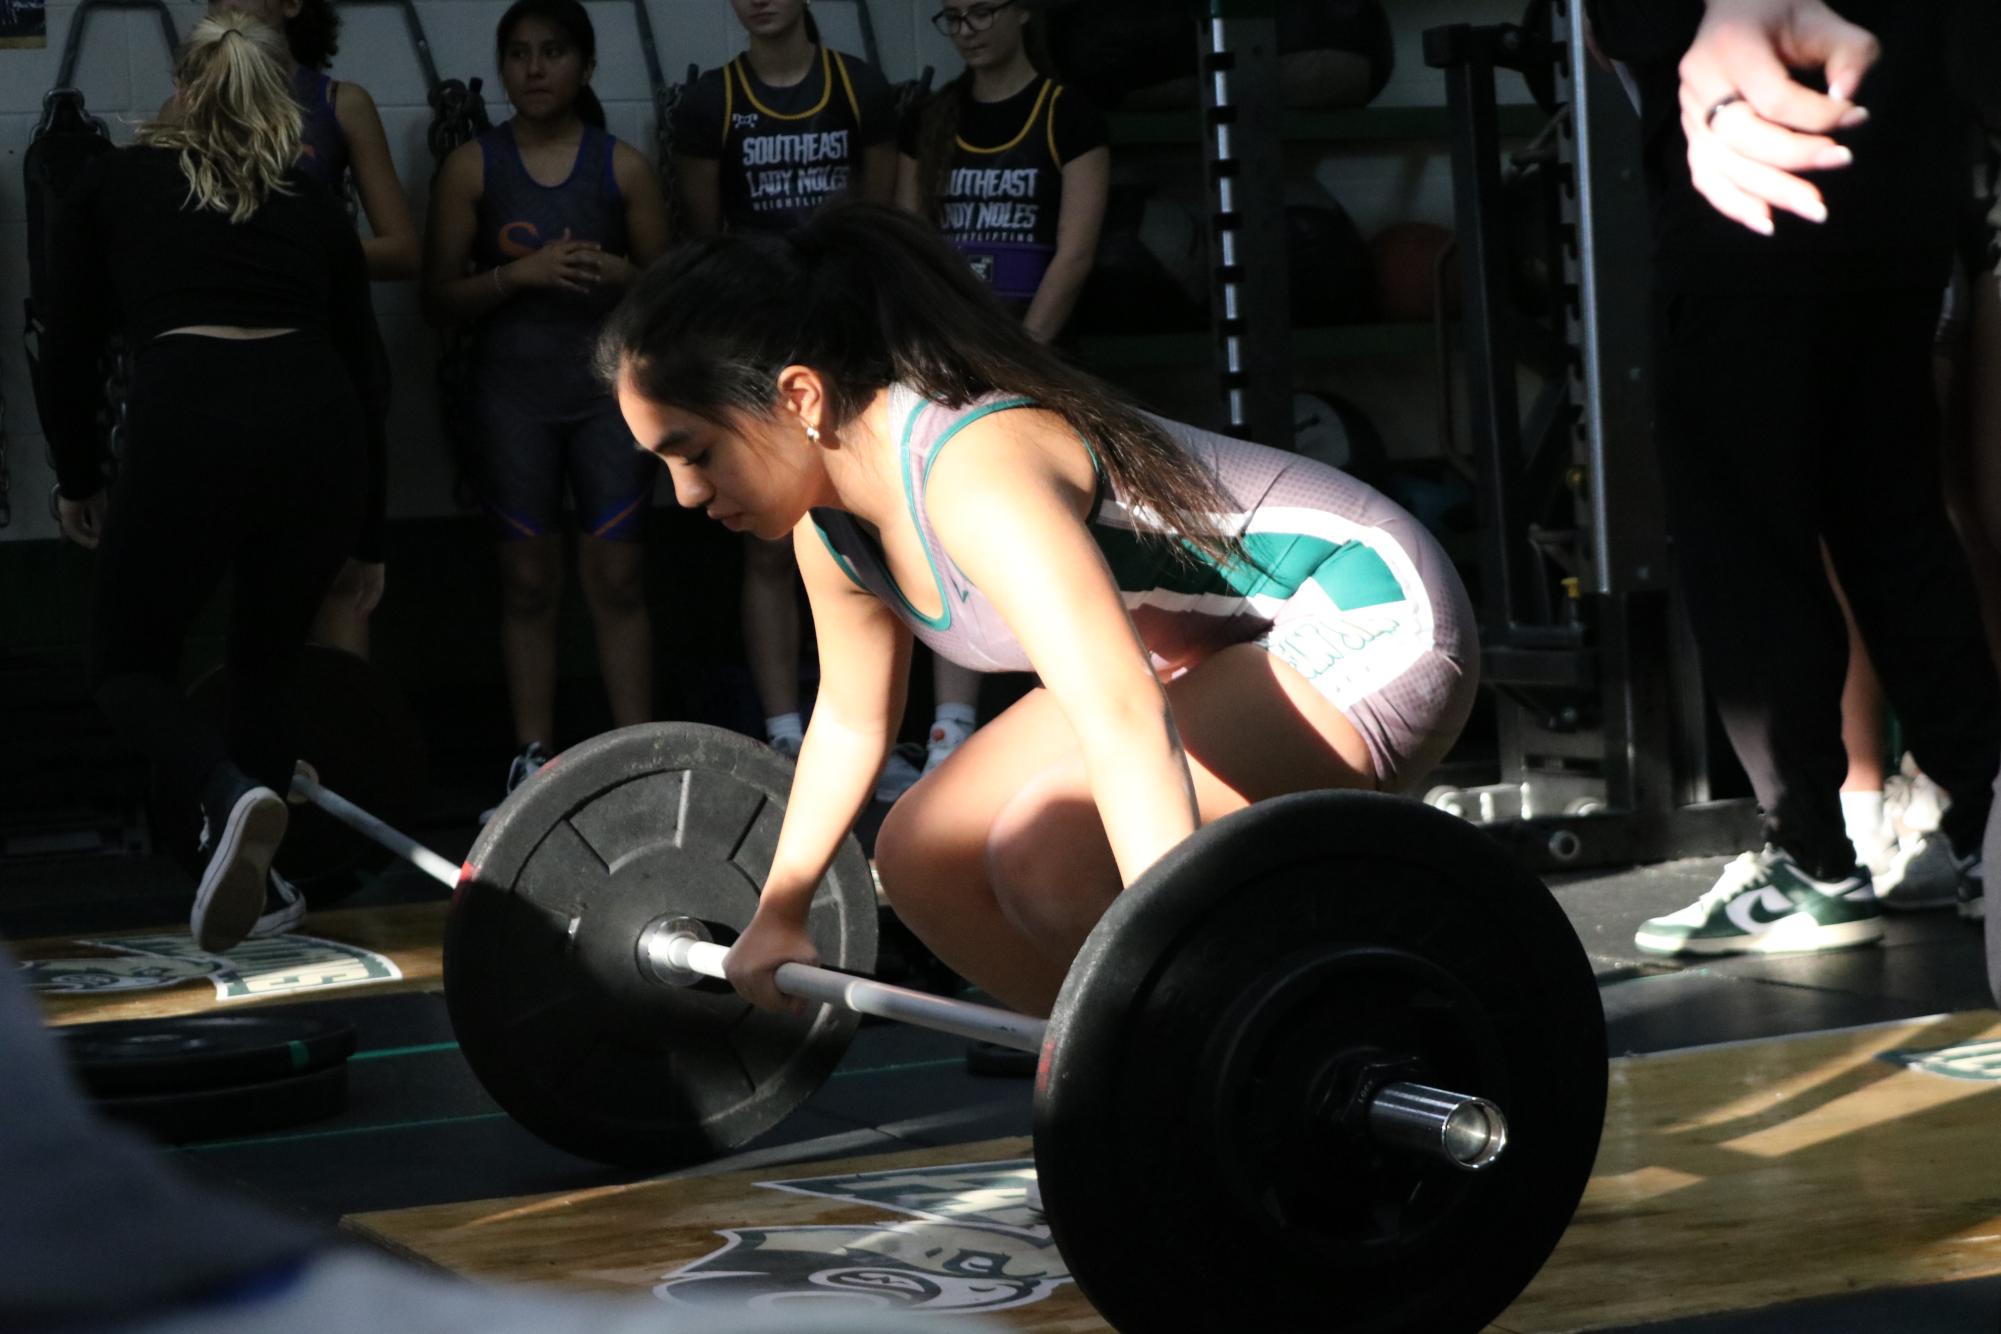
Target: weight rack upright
1604	747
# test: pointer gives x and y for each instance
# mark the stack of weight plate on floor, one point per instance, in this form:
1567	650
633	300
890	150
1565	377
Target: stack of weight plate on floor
212	1076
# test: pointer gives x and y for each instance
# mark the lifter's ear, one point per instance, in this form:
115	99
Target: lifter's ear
802	396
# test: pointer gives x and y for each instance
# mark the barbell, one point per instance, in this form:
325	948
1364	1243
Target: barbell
1329	1049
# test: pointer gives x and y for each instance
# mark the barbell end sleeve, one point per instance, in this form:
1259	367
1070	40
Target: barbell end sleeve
1467	1132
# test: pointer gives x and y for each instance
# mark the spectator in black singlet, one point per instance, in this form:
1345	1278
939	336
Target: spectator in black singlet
1015	170
759	146
536	227
343	146
243	294
1013	167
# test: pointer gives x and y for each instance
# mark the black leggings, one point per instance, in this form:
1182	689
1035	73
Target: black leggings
244	458
1785	421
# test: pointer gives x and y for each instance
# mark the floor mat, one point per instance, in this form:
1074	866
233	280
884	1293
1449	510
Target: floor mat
1730	1178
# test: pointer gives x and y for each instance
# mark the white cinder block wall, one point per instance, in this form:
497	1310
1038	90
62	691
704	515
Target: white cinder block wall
123	72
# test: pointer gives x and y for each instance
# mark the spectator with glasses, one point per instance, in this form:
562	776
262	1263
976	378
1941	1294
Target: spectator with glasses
1013	169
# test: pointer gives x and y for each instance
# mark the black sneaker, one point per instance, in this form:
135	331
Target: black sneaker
284	909
242	825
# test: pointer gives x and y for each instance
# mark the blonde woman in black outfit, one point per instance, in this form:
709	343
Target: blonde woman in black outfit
253	435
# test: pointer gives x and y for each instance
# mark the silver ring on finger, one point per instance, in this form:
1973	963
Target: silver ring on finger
1709	116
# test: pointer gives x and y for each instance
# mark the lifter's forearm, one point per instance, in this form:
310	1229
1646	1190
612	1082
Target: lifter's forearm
1139	779
834	781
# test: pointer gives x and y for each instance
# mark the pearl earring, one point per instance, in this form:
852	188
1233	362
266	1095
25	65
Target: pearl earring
813	433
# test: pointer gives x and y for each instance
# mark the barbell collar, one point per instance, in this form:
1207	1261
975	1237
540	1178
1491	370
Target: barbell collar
1467	1132
670	952
359	820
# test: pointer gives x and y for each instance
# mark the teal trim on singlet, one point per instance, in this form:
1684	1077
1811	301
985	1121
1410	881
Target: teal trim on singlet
1002	406
839	559
1352	575
910	497
1356	576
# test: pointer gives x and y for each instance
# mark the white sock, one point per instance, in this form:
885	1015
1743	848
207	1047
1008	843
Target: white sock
1862	815
783	725
965	715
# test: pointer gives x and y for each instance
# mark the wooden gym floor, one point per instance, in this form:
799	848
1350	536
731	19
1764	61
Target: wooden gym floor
1793	1143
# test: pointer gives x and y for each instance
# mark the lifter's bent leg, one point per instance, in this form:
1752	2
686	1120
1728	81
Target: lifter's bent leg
998	861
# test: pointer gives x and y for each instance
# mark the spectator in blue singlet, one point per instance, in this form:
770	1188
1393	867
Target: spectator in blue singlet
342	144
1014	169
760	145
535	229
1213	622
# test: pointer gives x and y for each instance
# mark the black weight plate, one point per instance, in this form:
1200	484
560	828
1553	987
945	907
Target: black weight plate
1177	1129
360	734
235	1109
553	1009
202	1051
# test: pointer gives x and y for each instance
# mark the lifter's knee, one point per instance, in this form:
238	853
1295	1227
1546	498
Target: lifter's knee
1051	868
905	862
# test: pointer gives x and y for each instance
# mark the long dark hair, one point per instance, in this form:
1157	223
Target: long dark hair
938	118
569	17
311	33
869	296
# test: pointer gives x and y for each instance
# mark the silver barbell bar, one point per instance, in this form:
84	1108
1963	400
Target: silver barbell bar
365	824
678	952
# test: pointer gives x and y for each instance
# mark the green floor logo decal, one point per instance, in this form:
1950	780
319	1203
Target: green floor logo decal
1970	1060
975	1245
281	965
120	970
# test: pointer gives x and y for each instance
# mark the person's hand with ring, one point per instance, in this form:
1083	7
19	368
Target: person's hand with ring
1752	128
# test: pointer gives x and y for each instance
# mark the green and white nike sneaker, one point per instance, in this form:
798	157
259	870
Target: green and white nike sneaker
1763	903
